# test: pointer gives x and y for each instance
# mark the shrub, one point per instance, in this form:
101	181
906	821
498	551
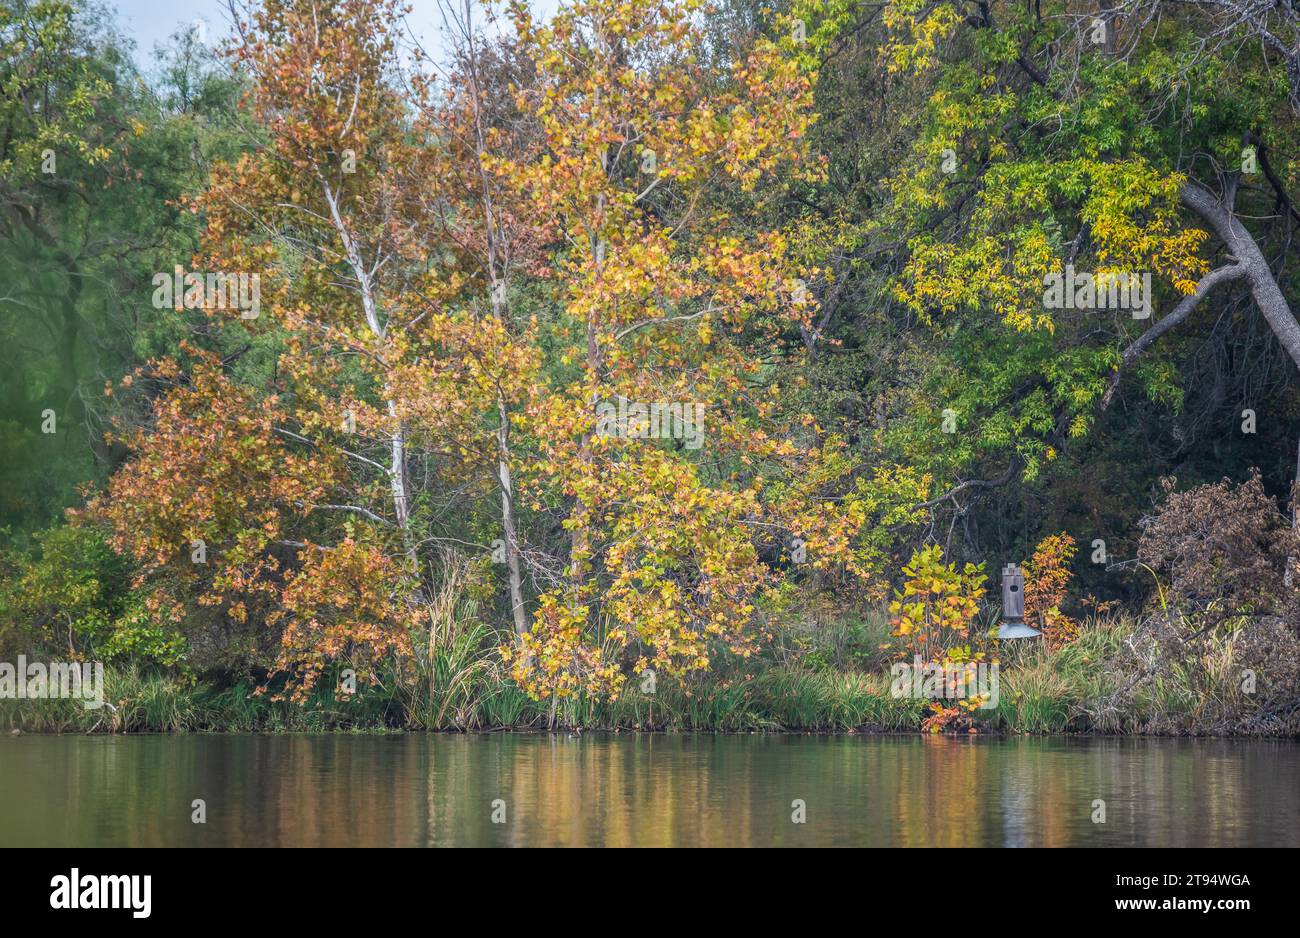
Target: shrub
1225	548
1264	681
937	604
1047	575
70	594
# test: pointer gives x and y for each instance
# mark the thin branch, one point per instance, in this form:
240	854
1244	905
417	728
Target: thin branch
1179	313
953	492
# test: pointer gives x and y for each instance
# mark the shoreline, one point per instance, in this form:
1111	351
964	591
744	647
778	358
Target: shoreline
534	731
1095	686
10	729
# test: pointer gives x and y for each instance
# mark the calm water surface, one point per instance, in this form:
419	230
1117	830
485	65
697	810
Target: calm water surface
649	790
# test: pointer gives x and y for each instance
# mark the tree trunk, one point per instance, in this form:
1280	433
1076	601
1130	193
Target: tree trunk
397	470
497	296
512	551
1263	287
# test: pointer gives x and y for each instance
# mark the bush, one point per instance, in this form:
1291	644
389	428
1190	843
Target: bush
63	593
1047	575
1161	676
70	595
1226	550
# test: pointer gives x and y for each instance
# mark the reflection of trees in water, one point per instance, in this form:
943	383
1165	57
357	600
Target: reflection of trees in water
646	791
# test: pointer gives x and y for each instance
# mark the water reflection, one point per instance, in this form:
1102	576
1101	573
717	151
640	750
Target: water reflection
646	791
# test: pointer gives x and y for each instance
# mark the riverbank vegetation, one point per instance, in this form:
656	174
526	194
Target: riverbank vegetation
1096	685
668	364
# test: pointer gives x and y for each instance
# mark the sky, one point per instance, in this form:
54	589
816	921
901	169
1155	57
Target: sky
153	21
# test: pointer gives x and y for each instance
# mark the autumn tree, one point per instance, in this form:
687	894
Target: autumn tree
374	370
472	114
652	167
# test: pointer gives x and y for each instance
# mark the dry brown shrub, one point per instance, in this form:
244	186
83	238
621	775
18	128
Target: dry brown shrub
1224	550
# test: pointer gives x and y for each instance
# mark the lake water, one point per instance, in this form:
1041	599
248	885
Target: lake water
647	790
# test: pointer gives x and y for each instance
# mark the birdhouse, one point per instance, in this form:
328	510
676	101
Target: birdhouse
1013	592
1013	605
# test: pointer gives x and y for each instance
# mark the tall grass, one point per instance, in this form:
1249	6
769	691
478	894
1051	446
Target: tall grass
465	692
1101	683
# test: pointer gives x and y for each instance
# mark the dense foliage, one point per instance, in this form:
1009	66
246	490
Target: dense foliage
651	343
